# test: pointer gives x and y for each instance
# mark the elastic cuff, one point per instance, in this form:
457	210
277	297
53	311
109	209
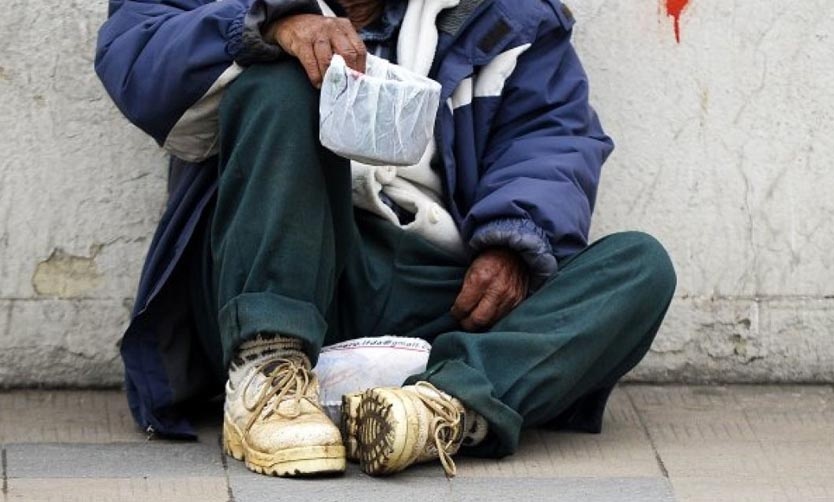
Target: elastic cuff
251	313
476	392
234	35
524	237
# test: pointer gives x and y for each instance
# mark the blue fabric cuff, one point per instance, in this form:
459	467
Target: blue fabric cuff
247	44
524	237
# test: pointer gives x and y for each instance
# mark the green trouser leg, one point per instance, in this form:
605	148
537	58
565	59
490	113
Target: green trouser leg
291	256
591	323
282	224
288	253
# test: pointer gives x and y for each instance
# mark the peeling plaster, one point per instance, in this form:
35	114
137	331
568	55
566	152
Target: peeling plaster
64	275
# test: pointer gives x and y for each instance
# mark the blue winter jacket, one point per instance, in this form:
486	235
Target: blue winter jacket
521	148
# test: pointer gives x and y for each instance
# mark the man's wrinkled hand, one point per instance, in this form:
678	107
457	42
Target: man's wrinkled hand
496	282
314	39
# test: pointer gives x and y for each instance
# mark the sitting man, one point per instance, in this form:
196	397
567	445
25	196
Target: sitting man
272	246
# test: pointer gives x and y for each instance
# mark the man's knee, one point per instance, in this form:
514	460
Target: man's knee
280	90
655	270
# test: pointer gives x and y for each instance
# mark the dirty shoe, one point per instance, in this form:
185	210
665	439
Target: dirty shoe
349	424
272	417
389	429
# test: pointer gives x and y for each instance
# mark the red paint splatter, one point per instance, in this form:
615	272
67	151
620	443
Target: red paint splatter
674	9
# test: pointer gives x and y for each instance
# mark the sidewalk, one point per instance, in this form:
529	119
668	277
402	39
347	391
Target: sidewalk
664	443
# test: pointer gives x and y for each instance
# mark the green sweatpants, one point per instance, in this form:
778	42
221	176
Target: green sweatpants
287	253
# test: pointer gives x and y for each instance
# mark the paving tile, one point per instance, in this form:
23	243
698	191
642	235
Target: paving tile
736	413
355	486
713	459
552	454
83	417
712	489
720	398
685	415
752	489
803	488
804	415
788	413
806	459
742	442
181	489
621	450
66	417
681	397
810	426
125	460
700	432
717	443
775	398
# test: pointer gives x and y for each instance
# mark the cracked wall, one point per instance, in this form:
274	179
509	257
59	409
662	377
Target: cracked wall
725	146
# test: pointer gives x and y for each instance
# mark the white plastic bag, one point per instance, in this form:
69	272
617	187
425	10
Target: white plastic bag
364	363
384	116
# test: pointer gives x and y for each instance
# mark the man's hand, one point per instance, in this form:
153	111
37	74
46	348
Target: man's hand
314	39
495	283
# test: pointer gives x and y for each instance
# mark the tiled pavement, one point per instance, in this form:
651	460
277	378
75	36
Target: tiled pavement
660	443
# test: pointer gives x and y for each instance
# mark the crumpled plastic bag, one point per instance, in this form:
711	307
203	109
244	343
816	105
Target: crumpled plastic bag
384	116
364	363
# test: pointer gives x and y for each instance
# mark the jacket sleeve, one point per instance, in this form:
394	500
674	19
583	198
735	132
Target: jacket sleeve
542	163
159	58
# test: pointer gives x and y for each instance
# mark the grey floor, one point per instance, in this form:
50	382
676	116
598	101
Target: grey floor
660	443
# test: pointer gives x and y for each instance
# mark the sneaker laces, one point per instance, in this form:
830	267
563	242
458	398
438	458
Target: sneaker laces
289	377
447	417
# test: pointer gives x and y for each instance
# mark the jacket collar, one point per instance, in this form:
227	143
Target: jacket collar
453	20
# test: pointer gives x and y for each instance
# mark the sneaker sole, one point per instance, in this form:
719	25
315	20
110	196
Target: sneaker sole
384	421
349	423
292	462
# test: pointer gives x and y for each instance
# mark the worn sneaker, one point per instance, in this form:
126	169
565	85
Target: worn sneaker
389	429
272	417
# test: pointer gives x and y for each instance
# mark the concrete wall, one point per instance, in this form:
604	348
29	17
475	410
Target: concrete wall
726	143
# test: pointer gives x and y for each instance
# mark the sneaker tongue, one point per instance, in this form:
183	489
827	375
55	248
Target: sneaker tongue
299	359
270	367
287	385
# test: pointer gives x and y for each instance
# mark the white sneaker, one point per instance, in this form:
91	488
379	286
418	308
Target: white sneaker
389	429
272	417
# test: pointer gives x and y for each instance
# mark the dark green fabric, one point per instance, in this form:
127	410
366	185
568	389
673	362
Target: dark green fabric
292	256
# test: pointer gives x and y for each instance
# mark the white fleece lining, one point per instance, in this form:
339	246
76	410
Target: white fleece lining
194	137
417	42
490	81
492	78
463	94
